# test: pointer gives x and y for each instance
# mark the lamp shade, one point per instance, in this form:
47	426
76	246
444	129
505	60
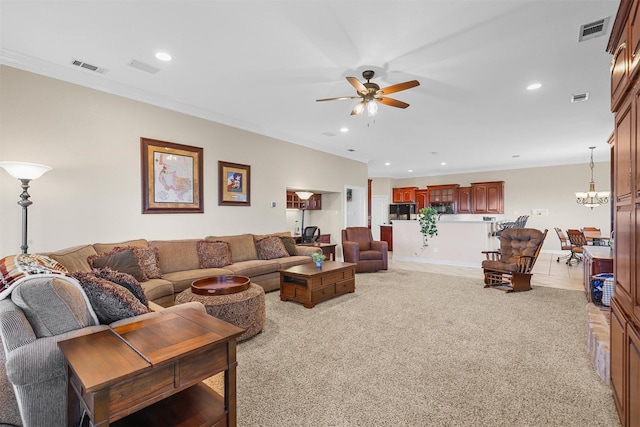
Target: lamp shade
23	170
304	195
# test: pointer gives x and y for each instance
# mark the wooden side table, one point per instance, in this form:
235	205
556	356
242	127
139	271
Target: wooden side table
328	249
119	374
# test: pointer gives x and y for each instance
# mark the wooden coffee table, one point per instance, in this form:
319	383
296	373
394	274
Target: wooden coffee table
309	285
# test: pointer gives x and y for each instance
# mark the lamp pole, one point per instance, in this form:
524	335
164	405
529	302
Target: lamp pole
25	203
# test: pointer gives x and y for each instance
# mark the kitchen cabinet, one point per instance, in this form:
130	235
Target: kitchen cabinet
442	193
386	235
404	194
624	45
422	199
464	200
314	203
487	197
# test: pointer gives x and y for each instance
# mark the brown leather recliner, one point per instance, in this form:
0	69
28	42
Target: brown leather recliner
359	247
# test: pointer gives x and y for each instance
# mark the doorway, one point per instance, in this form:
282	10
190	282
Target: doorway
379	214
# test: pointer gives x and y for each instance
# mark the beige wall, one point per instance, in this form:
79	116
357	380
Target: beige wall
550	188
93	194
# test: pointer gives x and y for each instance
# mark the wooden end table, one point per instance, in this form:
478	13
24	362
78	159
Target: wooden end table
150	372
309	285
328	249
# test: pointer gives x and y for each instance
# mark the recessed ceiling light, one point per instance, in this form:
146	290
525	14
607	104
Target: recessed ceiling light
344	130
443	164
163	56
410	170
534	86
387	164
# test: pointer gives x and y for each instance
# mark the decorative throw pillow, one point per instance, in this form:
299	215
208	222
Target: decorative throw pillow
271	247
290	245
53	305
214	254
121	259
123	279
149	262
110	301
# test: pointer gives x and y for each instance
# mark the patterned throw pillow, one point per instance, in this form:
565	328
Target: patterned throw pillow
149	262
214	254
121	259
271	248
125	280
110	301
290	245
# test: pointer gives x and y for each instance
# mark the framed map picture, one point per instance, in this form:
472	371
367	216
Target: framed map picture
234	184
171	177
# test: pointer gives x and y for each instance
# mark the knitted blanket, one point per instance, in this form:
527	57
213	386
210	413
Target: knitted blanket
15	268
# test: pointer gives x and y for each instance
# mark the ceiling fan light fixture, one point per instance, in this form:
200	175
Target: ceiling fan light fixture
372	108
359	108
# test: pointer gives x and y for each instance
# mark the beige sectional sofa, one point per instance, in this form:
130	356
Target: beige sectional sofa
179	262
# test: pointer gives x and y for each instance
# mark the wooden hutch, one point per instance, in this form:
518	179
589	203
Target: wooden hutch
624	44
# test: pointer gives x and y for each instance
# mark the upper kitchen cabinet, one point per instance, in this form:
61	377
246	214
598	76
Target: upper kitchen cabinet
442	193
422	198
464	200
404	194
487	197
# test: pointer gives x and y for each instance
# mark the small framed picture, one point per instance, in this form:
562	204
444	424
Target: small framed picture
171	177
234	184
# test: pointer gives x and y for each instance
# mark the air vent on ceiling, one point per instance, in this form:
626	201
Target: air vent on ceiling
580	97
89	67
593	29
144	67
328	134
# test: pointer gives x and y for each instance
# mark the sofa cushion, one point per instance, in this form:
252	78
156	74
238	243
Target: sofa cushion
53	305
177	255
182	279
149	262
158	290
271	248
242	246
254	268
290	245
75	258
15	268
213	254
291	261
121	259
125	280
110	301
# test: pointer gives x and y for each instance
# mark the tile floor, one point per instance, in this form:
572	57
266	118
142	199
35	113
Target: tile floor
546	272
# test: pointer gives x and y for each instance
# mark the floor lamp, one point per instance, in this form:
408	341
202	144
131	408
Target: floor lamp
304	196
25	172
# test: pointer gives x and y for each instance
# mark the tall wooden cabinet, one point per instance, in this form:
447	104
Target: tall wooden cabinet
624	45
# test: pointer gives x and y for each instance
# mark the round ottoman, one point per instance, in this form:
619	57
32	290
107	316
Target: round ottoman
244	309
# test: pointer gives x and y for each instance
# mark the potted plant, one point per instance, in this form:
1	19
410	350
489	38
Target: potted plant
318	258
427	218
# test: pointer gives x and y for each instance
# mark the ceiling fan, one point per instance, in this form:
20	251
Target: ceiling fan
370	94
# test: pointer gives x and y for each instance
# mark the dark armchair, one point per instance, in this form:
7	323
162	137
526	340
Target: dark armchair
510	268
359	247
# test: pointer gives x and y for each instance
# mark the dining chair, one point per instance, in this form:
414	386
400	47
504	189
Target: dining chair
565	244
578	240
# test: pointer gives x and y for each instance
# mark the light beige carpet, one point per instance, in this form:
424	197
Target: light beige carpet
416	349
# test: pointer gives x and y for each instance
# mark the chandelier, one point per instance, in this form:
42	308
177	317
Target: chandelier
592	198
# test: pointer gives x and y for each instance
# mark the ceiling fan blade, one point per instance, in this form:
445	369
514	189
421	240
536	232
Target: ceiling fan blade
358	109
392	102
358	85
398	87
340	98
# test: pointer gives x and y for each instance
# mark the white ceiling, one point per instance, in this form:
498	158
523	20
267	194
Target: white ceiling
260	66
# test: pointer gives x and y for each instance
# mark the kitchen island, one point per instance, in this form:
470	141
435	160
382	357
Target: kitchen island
458	242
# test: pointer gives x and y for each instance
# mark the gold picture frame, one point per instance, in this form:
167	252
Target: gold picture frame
234	184
171	177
